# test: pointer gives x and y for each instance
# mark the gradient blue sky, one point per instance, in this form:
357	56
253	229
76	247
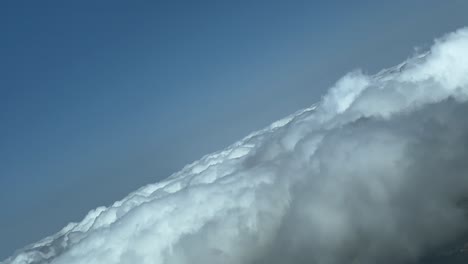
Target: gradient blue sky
98	98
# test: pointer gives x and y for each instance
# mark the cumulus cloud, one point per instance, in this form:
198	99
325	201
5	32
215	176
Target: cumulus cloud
373	173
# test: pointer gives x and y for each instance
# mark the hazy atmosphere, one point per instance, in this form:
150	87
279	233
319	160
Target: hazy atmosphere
101	98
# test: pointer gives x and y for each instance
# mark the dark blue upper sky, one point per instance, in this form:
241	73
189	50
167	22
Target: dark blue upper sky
98	98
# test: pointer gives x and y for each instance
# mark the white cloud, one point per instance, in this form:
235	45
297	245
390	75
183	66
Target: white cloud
373	174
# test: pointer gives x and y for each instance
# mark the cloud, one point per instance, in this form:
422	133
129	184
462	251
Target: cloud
373	173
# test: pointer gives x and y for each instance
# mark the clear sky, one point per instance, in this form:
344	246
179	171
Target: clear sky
98	98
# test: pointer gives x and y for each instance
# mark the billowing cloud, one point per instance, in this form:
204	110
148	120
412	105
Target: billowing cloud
376	172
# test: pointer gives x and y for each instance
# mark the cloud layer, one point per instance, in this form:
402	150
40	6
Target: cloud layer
373	173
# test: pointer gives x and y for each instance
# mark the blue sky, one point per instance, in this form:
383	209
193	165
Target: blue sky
98	98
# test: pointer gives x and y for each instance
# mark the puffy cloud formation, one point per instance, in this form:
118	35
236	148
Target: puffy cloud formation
374	173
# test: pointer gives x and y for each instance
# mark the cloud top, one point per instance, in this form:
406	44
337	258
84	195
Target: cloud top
373	173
